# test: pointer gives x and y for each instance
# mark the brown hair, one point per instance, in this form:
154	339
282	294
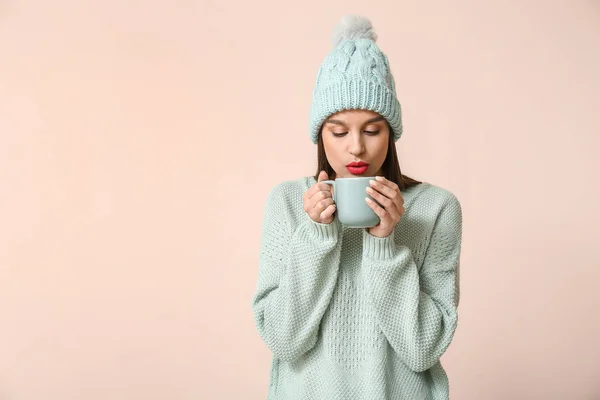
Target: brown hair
390	168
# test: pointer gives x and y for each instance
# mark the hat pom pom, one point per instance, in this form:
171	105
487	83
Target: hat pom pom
353	27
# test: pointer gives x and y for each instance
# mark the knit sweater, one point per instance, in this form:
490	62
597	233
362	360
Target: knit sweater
351	316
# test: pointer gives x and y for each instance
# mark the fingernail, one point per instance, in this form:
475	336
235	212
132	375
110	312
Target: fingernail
372	181
368	200
369	190
379	178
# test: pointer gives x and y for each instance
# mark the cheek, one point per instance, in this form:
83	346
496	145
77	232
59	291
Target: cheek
379	147
384	148
333	156
330	152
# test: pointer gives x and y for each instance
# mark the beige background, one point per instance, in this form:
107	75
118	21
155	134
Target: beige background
138	141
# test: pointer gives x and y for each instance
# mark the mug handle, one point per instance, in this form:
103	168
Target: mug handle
332	183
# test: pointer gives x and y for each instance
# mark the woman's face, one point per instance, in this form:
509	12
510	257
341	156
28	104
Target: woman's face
355	136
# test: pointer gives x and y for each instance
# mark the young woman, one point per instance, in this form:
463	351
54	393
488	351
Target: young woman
352	313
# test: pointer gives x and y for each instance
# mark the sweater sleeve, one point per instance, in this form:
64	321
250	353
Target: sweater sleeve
417	311
298	269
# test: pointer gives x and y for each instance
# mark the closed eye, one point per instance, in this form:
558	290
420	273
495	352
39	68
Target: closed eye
370	133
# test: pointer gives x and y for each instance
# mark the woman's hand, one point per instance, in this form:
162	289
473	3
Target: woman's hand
318	201
387	194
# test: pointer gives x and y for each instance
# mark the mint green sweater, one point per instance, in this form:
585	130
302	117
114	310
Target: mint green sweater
350	316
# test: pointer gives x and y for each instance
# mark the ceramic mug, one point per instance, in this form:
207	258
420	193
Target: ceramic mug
349	197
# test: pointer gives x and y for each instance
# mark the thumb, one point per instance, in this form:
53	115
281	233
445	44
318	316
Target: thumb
323	176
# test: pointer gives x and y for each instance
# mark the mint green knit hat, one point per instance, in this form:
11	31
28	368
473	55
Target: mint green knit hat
354	75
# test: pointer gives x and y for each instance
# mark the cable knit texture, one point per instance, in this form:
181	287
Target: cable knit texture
351	316
355	75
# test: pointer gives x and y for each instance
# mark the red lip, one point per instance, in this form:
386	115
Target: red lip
357	170
357	164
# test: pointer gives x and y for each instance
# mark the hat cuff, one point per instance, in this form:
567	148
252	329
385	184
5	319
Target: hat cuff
354	94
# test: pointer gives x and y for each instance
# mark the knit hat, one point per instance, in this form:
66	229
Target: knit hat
355	75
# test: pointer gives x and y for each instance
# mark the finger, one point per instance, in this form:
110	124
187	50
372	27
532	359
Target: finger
322	176
394	194
384	216
385	201
317	187
321	205
320	195
387	182
328	212
313	202
390	210
384	189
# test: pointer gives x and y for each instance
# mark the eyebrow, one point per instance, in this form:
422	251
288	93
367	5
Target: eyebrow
338	122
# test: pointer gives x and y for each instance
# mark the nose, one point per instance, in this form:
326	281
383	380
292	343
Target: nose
356	145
